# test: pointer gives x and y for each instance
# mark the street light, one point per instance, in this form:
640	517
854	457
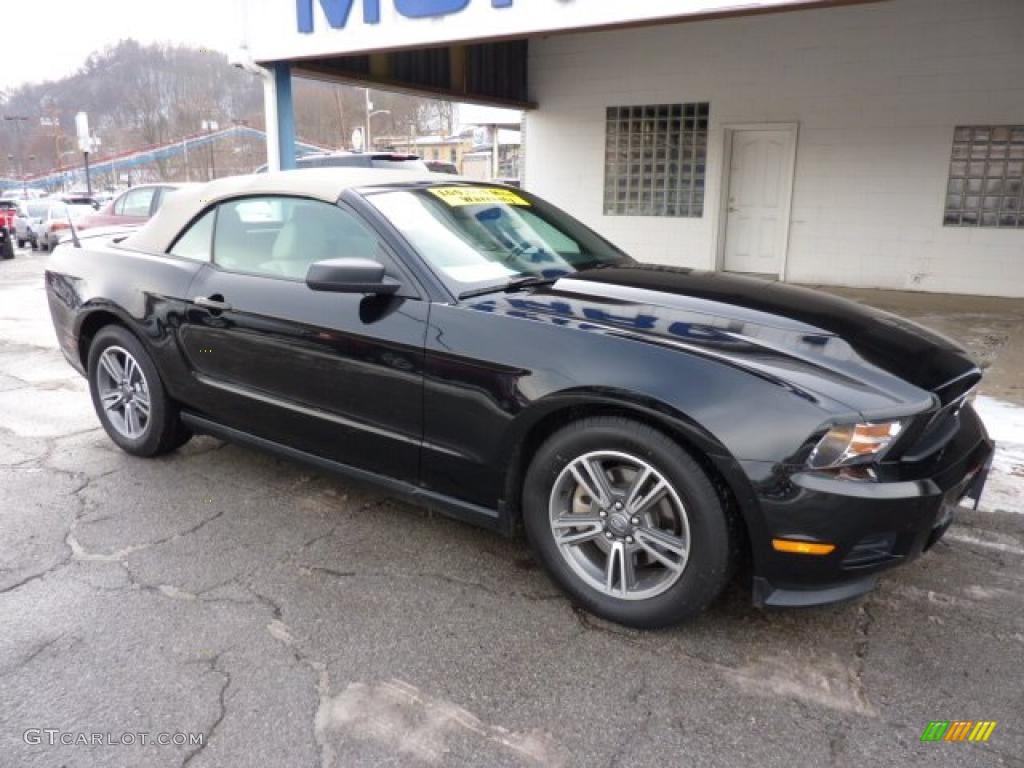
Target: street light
370	112
18	120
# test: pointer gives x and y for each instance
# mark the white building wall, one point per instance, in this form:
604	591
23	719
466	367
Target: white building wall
876	89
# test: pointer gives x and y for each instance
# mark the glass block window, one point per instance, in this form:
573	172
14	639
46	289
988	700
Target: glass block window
654	160
986	177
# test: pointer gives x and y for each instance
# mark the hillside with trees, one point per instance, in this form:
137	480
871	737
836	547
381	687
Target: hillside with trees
140	95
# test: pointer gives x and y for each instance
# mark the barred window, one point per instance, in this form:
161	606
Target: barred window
986	177
655	160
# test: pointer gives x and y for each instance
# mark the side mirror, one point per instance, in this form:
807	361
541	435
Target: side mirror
350	276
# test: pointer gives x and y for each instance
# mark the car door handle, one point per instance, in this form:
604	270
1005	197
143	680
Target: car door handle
215	302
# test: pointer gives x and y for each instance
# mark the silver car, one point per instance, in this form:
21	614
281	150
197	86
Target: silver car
54	225
29	215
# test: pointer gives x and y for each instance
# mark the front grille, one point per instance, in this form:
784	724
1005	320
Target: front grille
870	551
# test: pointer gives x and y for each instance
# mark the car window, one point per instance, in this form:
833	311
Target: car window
37	211
282	236
59	211
137	202
197	241
162	193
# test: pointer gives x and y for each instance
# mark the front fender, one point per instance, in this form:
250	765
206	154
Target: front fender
548	413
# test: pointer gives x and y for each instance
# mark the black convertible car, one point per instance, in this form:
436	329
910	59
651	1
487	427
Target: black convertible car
474	349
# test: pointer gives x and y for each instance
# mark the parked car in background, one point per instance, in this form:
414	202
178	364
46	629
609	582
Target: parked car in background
135	206
392	160
78	199
474	349
18	193
30	214
437	166
8	212
57	222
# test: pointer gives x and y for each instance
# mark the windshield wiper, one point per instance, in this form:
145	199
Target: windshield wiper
512	285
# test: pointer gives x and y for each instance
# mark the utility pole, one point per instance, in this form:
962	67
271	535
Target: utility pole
210	126
341	117
366	131
18	120
88	178
86	143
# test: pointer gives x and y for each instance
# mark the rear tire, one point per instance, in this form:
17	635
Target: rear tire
129	397
21	242
650	545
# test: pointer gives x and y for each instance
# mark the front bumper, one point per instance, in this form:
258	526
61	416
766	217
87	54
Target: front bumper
874	525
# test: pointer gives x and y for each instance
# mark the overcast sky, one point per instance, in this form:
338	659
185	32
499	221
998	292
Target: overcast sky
48	39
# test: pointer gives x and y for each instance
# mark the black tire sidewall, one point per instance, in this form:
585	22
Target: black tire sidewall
709	563
163	417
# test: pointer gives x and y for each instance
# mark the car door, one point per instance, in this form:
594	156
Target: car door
336	375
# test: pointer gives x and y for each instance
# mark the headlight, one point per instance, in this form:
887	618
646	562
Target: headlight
854	444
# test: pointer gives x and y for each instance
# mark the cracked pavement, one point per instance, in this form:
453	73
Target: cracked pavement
298	620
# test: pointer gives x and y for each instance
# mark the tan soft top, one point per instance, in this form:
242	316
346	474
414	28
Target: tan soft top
325	184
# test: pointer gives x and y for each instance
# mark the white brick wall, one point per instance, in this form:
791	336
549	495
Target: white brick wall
876	89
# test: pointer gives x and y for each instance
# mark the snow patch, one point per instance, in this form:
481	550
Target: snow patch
1005	424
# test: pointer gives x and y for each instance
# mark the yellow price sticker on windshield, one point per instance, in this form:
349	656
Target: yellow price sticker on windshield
457	196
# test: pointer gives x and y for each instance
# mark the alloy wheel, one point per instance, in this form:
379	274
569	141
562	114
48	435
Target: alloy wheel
123	392
619	525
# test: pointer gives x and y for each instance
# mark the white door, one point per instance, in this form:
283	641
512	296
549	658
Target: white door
759	189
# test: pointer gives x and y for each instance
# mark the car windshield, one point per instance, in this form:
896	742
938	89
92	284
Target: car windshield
37	210
475	236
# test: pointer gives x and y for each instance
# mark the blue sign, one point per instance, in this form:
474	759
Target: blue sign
337	11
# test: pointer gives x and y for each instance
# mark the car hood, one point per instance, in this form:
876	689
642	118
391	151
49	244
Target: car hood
830	348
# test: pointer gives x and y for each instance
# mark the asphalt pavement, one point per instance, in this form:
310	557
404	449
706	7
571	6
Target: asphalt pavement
286	618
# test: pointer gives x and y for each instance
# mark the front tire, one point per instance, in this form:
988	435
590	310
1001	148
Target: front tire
627	522
129	397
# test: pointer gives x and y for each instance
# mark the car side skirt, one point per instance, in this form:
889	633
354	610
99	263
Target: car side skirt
492	519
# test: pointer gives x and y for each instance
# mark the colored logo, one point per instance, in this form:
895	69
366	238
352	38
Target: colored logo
958	730
337	11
